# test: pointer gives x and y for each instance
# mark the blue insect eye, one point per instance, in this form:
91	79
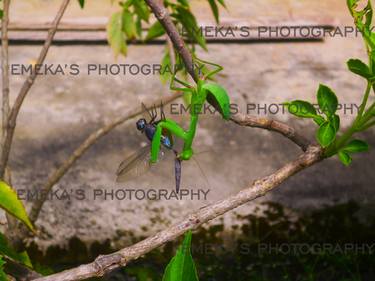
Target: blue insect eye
141	124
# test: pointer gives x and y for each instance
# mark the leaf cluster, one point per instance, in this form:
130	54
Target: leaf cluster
329	123
129	23
13	206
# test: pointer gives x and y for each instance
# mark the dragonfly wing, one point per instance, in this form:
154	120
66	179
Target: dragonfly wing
135	165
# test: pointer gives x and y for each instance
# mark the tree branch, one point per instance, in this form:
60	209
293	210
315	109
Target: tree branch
106	263
272	125
18	271
164	18
5	65
11	124
12	222
91	139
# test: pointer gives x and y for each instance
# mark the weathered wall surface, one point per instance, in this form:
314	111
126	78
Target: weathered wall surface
61	111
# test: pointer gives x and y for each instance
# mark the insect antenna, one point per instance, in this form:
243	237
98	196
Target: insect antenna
145	109
202	172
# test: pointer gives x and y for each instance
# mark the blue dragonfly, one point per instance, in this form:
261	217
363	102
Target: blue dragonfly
139	162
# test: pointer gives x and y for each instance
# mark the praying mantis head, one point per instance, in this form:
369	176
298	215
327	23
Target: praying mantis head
205	90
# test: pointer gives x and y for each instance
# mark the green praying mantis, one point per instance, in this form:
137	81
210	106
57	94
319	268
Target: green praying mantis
160	132
204	91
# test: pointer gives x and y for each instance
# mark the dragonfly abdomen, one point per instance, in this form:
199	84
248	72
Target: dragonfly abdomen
150	132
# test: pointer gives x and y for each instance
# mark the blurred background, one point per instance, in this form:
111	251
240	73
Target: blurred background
326	204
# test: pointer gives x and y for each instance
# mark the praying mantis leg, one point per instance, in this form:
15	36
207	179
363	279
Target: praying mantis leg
188	88
172	127
212	73
198	98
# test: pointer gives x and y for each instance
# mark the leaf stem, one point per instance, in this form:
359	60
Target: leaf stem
364	103
357	123
368	125
368	115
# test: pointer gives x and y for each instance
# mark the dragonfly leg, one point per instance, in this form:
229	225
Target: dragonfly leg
154	114
162	111
145	109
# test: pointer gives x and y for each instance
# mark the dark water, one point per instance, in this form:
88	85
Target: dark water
332	243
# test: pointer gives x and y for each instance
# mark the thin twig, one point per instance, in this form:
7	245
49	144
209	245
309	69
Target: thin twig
272	125
11	221
5	65
25	90
19	271
106	263
161	13
87	143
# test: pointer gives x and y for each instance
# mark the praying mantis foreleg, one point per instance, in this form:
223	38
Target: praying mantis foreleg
198	98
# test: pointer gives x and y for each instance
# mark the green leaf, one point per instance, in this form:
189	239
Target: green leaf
368	14
81	3
127	4
138	26
335	121
363	20
359	15
218	97
182	267
183	3
326	134
128	24
156	30
372	57
10	203
222	3
190	24
165	73
351	4
360	68
1	14
142	273
345	158
302	109
215	9
356	146
7	250
3	276
141	9
327	100
116	37
319	120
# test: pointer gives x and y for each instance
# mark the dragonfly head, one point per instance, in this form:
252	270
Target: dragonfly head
141	124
